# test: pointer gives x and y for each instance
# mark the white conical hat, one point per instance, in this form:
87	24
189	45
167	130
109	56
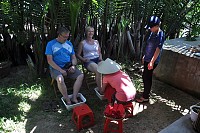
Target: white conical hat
108	67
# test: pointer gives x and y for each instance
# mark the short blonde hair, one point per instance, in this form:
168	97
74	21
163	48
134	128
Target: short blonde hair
88	28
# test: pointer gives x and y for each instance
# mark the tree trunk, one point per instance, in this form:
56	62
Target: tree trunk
104	28
130	43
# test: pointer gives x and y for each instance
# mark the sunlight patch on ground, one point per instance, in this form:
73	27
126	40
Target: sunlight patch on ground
169	103
25	91
138	108
24	107
60	111
72	130
90	130
9	125
35	95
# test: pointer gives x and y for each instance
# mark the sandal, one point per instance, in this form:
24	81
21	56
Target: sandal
142	100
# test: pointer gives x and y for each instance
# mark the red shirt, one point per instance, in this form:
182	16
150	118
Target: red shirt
121	82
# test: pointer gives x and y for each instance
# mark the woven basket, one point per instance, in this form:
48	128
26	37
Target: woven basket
4	68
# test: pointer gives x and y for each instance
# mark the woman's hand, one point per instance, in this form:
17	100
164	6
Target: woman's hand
86	60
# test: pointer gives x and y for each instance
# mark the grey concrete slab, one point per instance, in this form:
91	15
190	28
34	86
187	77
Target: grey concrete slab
182	125
178	68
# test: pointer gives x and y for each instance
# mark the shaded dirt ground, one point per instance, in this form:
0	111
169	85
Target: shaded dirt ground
167	104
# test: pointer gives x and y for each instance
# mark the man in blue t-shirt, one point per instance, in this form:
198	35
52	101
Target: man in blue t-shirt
62	62
152	54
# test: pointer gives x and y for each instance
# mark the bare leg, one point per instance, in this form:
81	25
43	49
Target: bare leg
62	87
77	86
93	68
98	79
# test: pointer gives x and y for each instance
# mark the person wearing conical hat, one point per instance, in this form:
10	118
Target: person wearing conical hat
116	85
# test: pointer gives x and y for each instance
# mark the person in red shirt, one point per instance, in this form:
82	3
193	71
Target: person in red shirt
116	85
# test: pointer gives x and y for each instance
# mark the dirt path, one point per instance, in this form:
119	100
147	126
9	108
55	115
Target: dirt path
167	104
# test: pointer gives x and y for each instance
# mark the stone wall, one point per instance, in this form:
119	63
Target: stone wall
180	65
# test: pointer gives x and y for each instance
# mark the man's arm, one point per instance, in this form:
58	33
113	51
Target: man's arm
78	54
53	64
74	63
99	50
155	56
74	60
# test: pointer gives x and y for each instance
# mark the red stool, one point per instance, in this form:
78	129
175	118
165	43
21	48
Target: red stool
81	112
128	109
109	121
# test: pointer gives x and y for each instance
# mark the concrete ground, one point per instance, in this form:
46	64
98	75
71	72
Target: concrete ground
182	125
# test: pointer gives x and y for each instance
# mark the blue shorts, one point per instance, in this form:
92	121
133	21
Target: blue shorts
95	60
55	73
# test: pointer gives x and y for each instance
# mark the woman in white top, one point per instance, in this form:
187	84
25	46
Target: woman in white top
91	53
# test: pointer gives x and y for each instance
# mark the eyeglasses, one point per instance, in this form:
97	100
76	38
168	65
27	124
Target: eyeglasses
66	36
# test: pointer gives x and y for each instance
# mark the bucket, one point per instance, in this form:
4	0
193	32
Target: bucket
194	112
196	124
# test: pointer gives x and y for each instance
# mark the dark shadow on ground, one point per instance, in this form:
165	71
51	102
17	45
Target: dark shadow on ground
167	104
38	120
12	86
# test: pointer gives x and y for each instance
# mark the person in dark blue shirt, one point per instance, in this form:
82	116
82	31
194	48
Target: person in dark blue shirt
152	55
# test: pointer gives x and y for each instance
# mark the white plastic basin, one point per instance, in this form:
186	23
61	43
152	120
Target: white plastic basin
98	94
70	107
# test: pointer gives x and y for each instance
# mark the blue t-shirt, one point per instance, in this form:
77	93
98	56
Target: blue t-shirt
61	53
154	41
